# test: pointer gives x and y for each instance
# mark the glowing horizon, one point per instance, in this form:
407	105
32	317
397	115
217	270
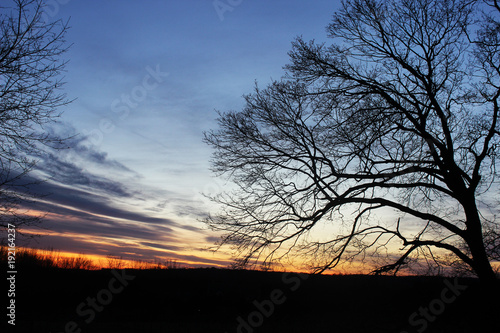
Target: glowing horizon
132	183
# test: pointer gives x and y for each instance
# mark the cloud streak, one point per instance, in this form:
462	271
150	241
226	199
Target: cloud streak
106	213
141	187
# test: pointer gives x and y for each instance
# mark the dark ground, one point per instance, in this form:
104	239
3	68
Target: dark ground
212	300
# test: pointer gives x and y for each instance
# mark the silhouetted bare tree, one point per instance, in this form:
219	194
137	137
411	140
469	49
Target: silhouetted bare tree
398	116
30	77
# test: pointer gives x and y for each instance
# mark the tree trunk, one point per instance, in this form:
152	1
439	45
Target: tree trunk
482	265
474	239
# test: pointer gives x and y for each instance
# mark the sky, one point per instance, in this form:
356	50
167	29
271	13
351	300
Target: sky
147	78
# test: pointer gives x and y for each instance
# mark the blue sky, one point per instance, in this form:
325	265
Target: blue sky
147	78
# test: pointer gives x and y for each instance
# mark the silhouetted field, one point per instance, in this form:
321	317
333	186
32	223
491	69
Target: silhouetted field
214	300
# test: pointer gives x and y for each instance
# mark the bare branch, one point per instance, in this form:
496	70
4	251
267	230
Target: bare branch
399	113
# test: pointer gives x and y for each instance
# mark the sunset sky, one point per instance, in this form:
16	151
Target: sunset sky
147	78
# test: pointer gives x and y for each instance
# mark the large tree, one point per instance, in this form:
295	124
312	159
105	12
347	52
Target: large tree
390	134
30	78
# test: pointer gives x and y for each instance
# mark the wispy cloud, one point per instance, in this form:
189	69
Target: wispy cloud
97	205
70	163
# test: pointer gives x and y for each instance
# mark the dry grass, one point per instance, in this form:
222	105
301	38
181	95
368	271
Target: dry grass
28	257
50	258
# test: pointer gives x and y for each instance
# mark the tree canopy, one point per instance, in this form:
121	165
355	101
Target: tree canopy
390	135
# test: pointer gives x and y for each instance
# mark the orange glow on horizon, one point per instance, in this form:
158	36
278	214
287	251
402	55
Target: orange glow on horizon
107	252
